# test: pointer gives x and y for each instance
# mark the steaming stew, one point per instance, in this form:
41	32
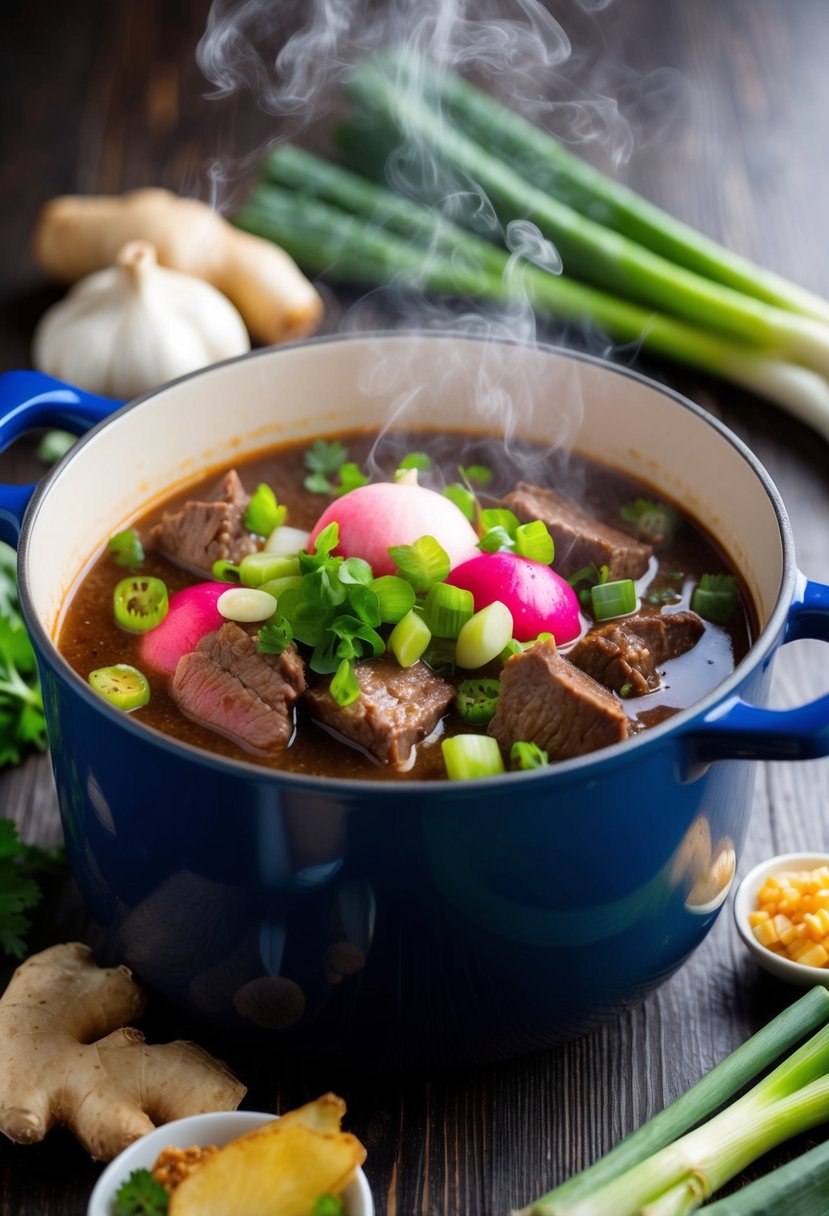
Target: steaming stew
221	687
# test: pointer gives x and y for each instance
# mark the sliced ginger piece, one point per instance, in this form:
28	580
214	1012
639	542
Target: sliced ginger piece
280	1169
59	1064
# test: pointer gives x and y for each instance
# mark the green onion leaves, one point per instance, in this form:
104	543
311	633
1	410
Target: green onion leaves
447	609
125	548
715	597
263	513
470	757
609	600
503	531
344	687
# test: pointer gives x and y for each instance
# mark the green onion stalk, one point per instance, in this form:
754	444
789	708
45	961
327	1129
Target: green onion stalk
600	255
324	239
654	1173
552	168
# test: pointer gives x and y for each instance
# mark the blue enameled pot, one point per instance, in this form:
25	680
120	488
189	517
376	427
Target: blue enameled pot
404	923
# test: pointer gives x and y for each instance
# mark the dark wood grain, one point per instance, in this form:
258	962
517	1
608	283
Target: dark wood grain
727	110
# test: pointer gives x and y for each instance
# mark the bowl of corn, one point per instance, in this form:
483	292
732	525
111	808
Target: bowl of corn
782	914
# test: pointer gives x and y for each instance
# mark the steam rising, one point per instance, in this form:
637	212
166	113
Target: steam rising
515	48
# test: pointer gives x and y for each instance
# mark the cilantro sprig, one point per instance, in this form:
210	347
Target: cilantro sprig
20	864
326	460
334	610
141	1195
22	722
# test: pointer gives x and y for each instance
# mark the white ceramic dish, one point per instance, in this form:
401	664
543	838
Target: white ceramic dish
745	902
217	1127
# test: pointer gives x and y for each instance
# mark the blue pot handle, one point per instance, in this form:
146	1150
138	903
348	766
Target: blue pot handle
736	729
32	399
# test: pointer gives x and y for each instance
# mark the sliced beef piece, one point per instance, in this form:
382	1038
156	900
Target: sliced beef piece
229	686
625	655
397	707
202	532
544	699
579	538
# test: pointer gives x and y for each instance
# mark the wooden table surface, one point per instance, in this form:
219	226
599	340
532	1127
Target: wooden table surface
728	114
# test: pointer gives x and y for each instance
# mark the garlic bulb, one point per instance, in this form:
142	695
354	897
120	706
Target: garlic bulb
135	325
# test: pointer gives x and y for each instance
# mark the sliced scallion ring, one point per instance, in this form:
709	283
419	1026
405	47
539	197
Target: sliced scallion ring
468	757
609	600
140	604
123	686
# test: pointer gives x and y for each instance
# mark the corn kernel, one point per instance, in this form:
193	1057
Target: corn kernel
791	917
814	956
766	933
757	918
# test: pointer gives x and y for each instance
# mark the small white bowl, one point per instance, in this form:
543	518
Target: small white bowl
217	1127
745	902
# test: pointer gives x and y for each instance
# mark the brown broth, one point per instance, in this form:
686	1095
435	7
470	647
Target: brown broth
90	638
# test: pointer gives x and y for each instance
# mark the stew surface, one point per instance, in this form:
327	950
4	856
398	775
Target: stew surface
653	684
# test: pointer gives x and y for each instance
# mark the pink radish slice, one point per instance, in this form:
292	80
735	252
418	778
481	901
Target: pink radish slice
193	613
372	518
540	600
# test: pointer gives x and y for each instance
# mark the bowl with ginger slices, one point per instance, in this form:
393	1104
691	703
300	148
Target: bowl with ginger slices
781	910
248	1162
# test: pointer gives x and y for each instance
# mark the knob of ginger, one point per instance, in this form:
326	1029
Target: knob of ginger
59	1064
78	234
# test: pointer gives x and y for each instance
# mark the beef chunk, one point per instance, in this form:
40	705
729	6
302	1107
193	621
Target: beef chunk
625	655
397	707
202	532
232	688
579	538
544	699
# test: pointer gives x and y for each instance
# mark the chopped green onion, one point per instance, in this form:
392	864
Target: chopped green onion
409	638
423	563
439	656
715	598
275	586
462	497
477	700
285	541
139	604
396	597
591	574
225	572
528	755
125	548
123	686
263	513
476	474
513	646
484	636
246	604
54	445
448	609
798	1188
258	568
533	540
274	636
469	757
654	521
344	687
416	460
609	600
406	477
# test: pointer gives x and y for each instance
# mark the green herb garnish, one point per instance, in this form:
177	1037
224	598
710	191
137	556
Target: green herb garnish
528	755
21	704
715	597
344	687
274	636
421	564
263	513
125	548
655	522
326	461
20	864
416	460
141	1195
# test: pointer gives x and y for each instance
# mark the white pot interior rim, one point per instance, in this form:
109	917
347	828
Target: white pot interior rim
671	459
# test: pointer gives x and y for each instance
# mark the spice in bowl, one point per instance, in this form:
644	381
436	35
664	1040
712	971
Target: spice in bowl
791	916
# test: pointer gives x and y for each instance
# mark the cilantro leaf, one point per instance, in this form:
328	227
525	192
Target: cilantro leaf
19	892
21	704
141	1195
325	457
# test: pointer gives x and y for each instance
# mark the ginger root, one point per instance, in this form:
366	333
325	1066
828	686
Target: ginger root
78	234
56	1068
